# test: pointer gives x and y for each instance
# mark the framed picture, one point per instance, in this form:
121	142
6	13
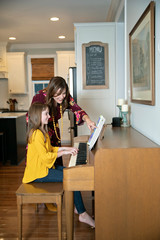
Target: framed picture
141	44
95	65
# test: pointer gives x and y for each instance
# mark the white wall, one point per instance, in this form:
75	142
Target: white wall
100	101
145	118
23	100
120	67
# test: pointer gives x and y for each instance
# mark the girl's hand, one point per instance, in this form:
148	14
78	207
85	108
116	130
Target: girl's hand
72	150
67	150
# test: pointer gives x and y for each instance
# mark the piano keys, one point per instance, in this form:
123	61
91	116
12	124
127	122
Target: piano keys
81	157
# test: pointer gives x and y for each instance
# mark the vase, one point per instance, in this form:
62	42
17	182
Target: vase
12	106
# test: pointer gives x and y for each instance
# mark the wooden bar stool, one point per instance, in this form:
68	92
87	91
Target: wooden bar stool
40	193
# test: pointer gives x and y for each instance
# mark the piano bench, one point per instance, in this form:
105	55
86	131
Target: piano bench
40	193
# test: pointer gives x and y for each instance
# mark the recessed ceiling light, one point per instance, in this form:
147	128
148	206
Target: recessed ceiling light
12	38
54	19
61	37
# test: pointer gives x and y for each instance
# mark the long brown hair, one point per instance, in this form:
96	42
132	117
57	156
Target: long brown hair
34	119
55	84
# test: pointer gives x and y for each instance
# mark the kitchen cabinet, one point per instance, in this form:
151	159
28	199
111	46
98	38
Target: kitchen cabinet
16	73
3	60
65	133
14	127
65	59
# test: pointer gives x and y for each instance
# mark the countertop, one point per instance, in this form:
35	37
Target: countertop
12	114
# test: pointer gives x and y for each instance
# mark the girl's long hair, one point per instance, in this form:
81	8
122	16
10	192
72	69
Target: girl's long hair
55	84
34	120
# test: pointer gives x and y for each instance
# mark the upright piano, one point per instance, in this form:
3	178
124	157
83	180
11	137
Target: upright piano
124	171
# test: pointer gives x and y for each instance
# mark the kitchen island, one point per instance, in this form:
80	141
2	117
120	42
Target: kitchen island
13	124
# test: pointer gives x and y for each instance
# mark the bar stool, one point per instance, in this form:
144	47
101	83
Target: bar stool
3	146
40	193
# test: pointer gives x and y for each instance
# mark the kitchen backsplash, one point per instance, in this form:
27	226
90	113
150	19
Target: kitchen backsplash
23	100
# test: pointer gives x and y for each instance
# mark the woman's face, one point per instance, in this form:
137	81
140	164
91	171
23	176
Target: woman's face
59	97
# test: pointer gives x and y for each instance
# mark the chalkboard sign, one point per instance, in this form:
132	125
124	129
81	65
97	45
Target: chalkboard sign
95	65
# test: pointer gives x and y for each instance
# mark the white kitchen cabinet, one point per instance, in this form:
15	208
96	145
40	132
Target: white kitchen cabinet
65	133
16	72
65	59
3	60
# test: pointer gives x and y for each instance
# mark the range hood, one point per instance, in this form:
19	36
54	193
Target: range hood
3	60
3	75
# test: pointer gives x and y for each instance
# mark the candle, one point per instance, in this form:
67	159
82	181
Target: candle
121	102
125	108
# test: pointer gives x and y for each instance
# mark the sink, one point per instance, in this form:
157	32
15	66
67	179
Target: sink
4	109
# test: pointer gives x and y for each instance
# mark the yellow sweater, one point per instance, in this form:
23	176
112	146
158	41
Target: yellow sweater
40	157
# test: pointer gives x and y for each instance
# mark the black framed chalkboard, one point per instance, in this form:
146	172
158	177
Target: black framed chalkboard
95	65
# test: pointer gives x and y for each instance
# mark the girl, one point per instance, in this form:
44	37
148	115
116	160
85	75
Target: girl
41	156
57	96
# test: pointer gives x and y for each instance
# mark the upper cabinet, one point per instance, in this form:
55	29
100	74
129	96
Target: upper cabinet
3	60
16	73
65	59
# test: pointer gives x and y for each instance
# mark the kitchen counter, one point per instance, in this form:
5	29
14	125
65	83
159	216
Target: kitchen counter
12	114
13	125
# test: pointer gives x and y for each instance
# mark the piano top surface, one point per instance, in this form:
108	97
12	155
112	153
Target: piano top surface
120	137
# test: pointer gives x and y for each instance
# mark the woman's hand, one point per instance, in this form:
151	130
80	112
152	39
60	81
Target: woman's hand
91	125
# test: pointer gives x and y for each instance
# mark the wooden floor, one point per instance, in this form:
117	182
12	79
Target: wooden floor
36	225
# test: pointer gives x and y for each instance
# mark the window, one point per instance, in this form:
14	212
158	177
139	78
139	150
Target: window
39	85
42	72
42	68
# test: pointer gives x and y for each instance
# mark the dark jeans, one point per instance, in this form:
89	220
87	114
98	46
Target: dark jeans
56	175
59	161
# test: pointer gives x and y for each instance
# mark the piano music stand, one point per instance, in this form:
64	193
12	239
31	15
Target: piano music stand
101	136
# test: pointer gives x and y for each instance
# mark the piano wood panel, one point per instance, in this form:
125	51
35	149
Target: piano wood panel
127	204
78	178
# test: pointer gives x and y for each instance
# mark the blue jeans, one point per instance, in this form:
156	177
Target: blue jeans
56	175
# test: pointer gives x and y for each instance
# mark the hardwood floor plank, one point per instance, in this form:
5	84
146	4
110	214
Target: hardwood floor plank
41	225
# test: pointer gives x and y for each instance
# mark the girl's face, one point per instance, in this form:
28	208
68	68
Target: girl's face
58	98
45	116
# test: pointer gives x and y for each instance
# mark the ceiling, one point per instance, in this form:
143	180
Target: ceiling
28	20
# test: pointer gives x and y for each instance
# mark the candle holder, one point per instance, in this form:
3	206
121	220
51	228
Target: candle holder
124	120
120	112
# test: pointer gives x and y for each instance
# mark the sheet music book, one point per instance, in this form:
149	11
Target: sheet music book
96	133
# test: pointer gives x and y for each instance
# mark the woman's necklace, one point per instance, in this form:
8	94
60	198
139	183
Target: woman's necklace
54	125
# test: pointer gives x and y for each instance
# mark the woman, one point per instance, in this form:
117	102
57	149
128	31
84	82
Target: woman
57	96
41	156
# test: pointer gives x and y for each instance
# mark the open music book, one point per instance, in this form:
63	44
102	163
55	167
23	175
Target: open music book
96	133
